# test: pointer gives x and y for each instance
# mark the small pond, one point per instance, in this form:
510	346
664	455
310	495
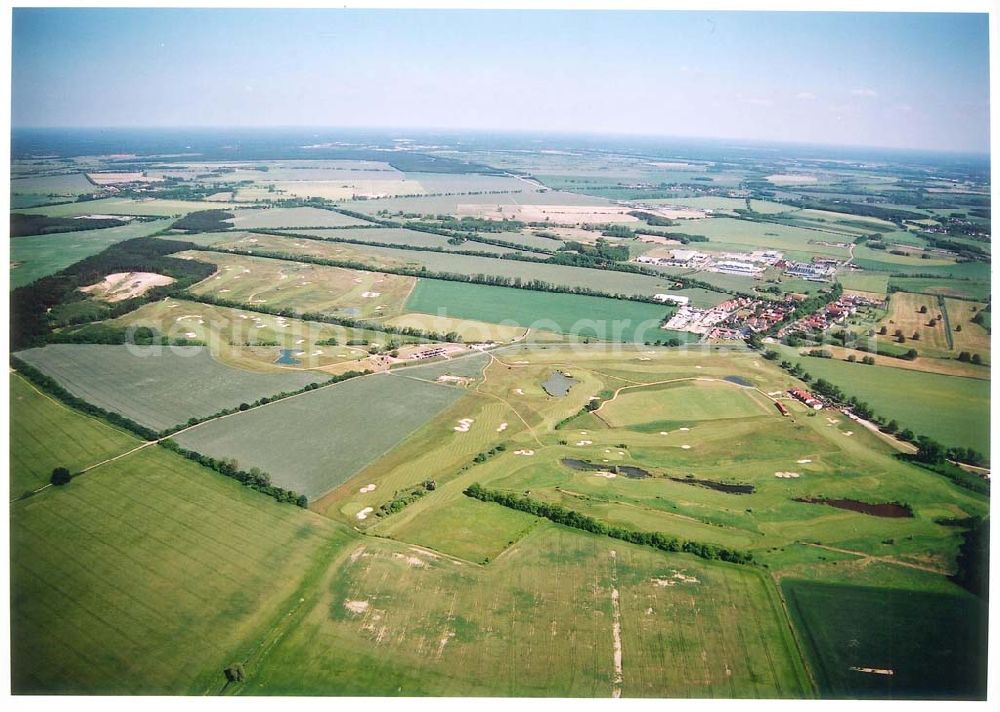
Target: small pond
287	357
558	384
739	381
892	510
729	488
630	471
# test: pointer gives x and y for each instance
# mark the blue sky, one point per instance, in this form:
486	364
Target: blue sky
908	81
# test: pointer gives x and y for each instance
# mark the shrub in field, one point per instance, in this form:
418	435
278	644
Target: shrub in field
60	476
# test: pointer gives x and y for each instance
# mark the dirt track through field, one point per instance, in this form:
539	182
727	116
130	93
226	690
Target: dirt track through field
883	559
616	628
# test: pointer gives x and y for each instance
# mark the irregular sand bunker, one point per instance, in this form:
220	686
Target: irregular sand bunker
363	514
356	606
126	285
675	578
787	475
463	425
524	452
366	489
501	427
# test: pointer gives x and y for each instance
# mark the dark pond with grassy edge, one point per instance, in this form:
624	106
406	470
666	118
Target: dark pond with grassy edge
729	488
893	510
630	471
558	384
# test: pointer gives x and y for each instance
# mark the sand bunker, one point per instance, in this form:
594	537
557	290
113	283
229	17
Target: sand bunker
606	475
787	475
675	578
356	606
366	489
803	462
685	447
519	391
371	295
501	427
363	514
585	442
684	430
463	425
190	334
848	433
524	452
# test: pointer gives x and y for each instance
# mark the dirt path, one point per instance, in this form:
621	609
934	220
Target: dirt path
883	559
504	400
616	628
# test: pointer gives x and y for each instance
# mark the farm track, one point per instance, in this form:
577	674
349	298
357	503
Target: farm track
883	559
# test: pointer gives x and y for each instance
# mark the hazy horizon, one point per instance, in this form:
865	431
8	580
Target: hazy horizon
853	80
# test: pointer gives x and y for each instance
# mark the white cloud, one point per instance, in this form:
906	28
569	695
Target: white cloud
805	95
864	92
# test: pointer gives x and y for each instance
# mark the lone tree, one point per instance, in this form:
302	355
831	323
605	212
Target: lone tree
60	476
923	309
234	673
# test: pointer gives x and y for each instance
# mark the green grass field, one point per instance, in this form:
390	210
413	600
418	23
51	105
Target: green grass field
38	256
157	386
151	574
597	317
537	621
347	426
45	434
927	639
733	234
977	290
953	410
875	282
684	401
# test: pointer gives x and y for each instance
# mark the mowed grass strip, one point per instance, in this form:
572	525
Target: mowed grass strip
45	434
934	643
314	442
149	575
537	621
596	317
157	386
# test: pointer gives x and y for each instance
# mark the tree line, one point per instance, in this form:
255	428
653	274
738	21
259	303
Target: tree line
254	478
567	517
